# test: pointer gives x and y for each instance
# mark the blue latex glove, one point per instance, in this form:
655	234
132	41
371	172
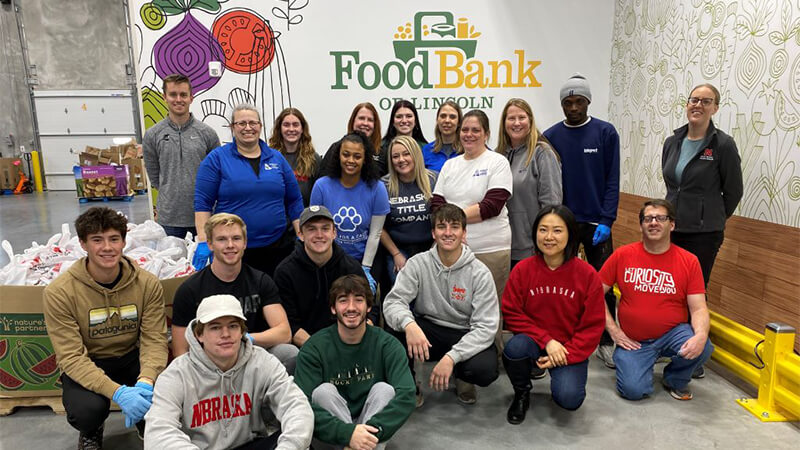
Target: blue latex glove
133	402
202	256
373	285
147	389
252	339
601	234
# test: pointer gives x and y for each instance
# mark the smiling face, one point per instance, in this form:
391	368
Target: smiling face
364	122
227	242
403	121
699	115
317	236
517	125
246	135
473	136
552	236
448	236
654	231
221	339
350	310
178	97
576	109
447	122
291	130
103	250
402	161
351	158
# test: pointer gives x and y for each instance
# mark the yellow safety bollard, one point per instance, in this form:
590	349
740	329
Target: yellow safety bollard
37	171
778	346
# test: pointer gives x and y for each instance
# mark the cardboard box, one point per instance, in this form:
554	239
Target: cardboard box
27	361
136	172
101	181
9	173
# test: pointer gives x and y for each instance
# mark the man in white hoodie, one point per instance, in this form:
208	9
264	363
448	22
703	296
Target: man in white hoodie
212	396
455	314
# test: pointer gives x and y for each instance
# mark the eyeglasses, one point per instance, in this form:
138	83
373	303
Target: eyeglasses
243	124
661	218
705	101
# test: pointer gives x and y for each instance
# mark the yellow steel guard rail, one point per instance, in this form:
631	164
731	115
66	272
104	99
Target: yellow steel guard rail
766	361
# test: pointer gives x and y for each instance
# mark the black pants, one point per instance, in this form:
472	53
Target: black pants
266	259
703	245
596	255
87	410
481	369
265	443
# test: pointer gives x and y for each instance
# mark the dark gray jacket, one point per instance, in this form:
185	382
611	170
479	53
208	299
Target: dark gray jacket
172	155
711	184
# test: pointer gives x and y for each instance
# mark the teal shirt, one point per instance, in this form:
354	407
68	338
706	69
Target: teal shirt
353	369
689	149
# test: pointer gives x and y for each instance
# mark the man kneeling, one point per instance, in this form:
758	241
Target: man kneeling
212	396
355	375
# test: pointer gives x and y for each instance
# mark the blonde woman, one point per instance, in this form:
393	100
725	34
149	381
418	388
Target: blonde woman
536	172
407	230
291	137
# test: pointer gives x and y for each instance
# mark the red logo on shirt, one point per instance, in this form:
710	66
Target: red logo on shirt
458	294
223	407
708	155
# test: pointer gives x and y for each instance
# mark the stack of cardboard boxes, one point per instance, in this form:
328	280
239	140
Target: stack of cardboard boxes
9	173
126	154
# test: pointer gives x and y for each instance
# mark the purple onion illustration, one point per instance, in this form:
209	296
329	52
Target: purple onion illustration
187	49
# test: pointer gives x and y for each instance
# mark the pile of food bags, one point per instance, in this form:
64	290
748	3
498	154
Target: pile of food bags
147	244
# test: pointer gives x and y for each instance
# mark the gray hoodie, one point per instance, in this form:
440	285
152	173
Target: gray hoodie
172	155
535	185
197	406
461	296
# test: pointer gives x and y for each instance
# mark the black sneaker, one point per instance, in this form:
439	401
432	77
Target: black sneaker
140	429
537	373
91	441
699	372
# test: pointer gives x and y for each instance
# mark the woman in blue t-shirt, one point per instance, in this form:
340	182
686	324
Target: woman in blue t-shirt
248	178
352	192
446	145
407	230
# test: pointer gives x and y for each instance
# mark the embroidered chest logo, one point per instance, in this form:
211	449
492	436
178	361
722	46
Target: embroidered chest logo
354	375
708	155
458	294
553	290
651	281
590	150
270	166
480	173
113	321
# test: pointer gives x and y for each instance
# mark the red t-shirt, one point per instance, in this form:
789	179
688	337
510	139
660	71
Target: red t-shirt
565	304
653	287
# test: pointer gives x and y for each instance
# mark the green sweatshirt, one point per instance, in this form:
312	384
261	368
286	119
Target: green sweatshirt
353	369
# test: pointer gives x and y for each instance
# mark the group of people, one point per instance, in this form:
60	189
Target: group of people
304	260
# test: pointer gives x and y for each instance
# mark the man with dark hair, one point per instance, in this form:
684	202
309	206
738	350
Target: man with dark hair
355	375
226	235
173	149
660	284
105	318
455	315
589	151
215	396
304	278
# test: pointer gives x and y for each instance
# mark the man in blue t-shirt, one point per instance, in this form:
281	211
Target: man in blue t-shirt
589	151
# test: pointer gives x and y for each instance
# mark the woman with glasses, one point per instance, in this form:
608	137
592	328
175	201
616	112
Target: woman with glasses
446	145
553	303
248	178
291	137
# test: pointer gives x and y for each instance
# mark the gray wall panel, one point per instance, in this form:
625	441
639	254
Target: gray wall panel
15	110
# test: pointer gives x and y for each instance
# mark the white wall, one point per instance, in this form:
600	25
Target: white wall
565	36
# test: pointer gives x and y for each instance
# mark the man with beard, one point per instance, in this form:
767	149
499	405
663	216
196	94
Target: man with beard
661	284
356	376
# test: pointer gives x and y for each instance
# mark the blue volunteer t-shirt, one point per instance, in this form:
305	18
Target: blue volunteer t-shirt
352	210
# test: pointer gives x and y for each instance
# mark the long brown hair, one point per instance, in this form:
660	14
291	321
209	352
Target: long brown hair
306	161
438	134
375	139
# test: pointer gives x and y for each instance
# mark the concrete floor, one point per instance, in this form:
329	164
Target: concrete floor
711	420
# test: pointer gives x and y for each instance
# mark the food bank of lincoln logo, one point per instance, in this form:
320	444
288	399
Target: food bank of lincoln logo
434	37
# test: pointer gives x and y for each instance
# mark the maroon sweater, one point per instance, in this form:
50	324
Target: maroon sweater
565	304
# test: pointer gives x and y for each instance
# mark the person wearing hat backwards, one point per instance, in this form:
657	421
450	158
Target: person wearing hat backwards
589	151
212	396
305	276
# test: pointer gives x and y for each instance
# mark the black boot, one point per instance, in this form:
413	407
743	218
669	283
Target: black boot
519	406
519	372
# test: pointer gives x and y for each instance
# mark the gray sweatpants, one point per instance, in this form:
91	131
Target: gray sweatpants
327	396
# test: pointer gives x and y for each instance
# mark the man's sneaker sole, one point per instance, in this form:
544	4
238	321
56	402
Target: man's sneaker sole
679	394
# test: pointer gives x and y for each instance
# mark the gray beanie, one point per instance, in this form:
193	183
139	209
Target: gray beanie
576	85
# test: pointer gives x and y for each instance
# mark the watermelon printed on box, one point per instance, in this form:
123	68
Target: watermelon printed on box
27	362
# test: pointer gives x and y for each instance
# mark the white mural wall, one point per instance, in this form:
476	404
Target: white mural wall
750	50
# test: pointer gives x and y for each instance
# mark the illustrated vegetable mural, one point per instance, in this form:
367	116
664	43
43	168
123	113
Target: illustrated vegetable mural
246	40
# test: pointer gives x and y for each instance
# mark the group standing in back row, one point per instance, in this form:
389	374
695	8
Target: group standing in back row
462	238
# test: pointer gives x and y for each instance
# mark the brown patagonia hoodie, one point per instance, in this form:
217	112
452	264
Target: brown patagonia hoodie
86	321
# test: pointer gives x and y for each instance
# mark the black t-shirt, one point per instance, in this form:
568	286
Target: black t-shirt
253	288
114	283
255	163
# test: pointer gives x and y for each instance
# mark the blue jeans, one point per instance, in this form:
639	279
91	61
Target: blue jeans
390	266
179	232
567	383
635	367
